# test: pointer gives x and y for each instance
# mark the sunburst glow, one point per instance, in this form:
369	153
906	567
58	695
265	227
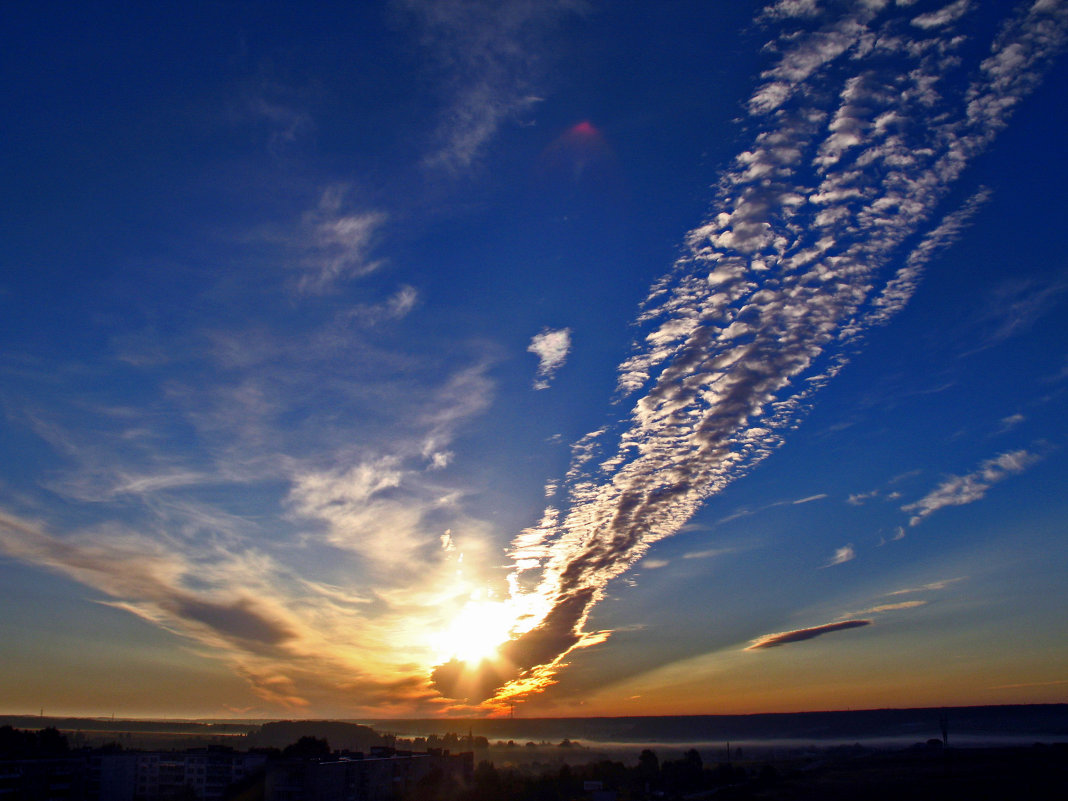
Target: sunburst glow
476	632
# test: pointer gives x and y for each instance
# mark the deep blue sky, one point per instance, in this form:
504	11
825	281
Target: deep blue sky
681	357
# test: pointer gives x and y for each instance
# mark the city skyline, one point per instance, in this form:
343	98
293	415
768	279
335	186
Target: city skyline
408	359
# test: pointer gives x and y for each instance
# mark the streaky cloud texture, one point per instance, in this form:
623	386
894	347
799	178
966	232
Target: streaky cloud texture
962	490
794	264
491	53
800	635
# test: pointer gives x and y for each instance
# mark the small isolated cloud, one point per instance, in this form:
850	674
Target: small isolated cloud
551	347
709	554
933	586
1054	683
336	244
654	564
859	498
842	555
798	635
439	460
884	608
1010	422
899	534
811	498
961	490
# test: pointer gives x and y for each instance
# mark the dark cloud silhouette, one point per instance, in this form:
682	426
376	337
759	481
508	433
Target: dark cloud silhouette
238	620
787	637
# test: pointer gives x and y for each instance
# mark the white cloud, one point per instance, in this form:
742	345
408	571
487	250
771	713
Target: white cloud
551	346
707	554
961	490
336	242
882	609
790	8
842	555
1010	422
943	16
934	586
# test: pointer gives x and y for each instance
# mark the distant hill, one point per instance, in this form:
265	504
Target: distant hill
1043	722
340	736
191	727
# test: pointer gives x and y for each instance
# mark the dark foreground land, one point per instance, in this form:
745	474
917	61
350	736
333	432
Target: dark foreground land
1037	773
344	761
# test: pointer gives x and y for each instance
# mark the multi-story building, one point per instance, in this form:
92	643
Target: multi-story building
383	775
206	772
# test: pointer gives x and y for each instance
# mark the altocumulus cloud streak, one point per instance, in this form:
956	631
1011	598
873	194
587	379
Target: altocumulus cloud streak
853	154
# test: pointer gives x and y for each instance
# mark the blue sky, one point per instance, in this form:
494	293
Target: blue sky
414	358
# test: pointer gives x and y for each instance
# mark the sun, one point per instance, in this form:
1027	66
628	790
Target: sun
476	632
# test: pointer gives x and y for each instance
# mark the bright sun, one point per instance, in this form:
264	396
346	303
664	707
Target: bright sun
477	631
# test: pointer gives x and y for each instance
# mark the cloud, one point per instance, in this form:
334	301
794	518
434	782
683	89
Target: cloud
934	586
961	490
222	600
707	554
1013	308
490	56
944	16
1054	683
794	265
860	498
884	608
790	8
811	498
1010	422
842	555
799	635
899	534
395	307
336	242
271	595
551	346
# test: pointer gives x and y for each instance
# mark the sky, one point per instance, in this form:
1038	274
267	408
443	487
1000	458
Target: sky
532	357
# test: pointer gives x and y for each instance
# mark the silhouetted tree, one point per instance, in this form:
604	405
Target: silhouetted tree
307	747
648	771
682	775
486	783
15	743
51	743
19	744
